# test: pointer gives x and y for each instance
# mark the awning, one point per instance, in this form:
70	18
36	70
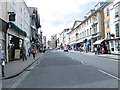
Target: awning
98	42
17	29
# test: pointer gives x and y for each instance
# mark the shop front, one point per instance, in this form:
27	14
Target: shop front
15	41
114	45
3	30
14	47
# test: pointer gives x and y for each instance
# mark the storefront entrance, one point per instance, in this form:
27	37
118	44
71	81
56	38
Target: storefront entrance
14	46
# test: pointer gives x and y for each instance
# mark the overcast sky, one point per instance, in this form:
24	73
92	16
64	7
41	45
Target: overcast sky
56	15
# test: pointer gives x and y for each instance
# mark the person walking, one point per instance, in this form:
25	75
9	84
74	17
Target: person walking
98	50
95	50
3	60
24	53
29	51
33	52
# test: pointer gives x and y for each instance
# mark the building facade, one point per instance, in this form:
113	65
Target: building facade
17	33
19	30
89	30
115	27
34	24
107	26
54	41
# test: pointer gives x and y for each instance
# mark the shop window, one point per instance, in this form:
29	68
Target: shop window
117	45
112	46
116	12
117	29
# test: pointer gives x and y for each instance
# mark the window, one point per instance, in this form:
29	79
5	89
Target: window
94	29
116	12
90	31
87	32
13	2
80	35
107	23
90	20
108	35
117	29
87	22
117	45
107	11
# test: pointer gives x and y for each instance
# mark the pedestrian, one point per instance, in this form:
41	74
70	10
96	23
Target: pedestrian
29	51
33	52
95	50
24	53
3	60
98	50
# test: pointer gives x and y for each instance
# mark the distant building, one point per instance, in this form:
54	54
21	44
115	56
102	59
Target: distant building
54	41
63	38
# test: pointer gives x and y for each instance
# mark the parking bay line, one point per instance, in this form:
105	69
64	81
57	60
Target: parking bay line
109	74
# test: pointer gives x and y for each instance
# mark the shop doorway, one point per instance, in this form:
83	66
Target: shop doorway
14	47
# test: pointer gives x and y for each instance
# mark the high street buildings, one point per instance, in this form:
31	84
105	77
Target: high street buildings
100	27
19	22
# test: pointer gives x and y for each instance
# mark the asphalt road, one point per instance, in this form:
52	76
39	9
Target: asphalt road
59	69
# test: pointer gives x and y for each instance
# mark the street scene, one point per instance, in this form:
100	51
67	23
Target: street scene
60	44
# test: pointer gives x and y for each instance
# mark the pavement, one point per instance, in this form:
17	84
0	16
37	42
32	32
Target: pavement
110	56
14	68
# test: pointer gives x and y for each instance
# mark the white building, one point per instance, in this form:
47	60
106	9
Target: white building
88	31
115	27
64	38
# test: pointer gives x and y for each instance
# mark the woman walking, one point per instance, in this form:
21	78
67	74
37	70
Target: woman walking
33	52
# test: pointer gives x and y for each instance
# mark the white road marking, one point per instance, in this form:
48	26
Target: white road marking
20	80
109	74
82	62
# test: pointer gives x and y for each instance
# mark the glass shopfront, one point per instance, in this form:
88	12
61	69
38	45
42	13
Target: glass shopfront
14	45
